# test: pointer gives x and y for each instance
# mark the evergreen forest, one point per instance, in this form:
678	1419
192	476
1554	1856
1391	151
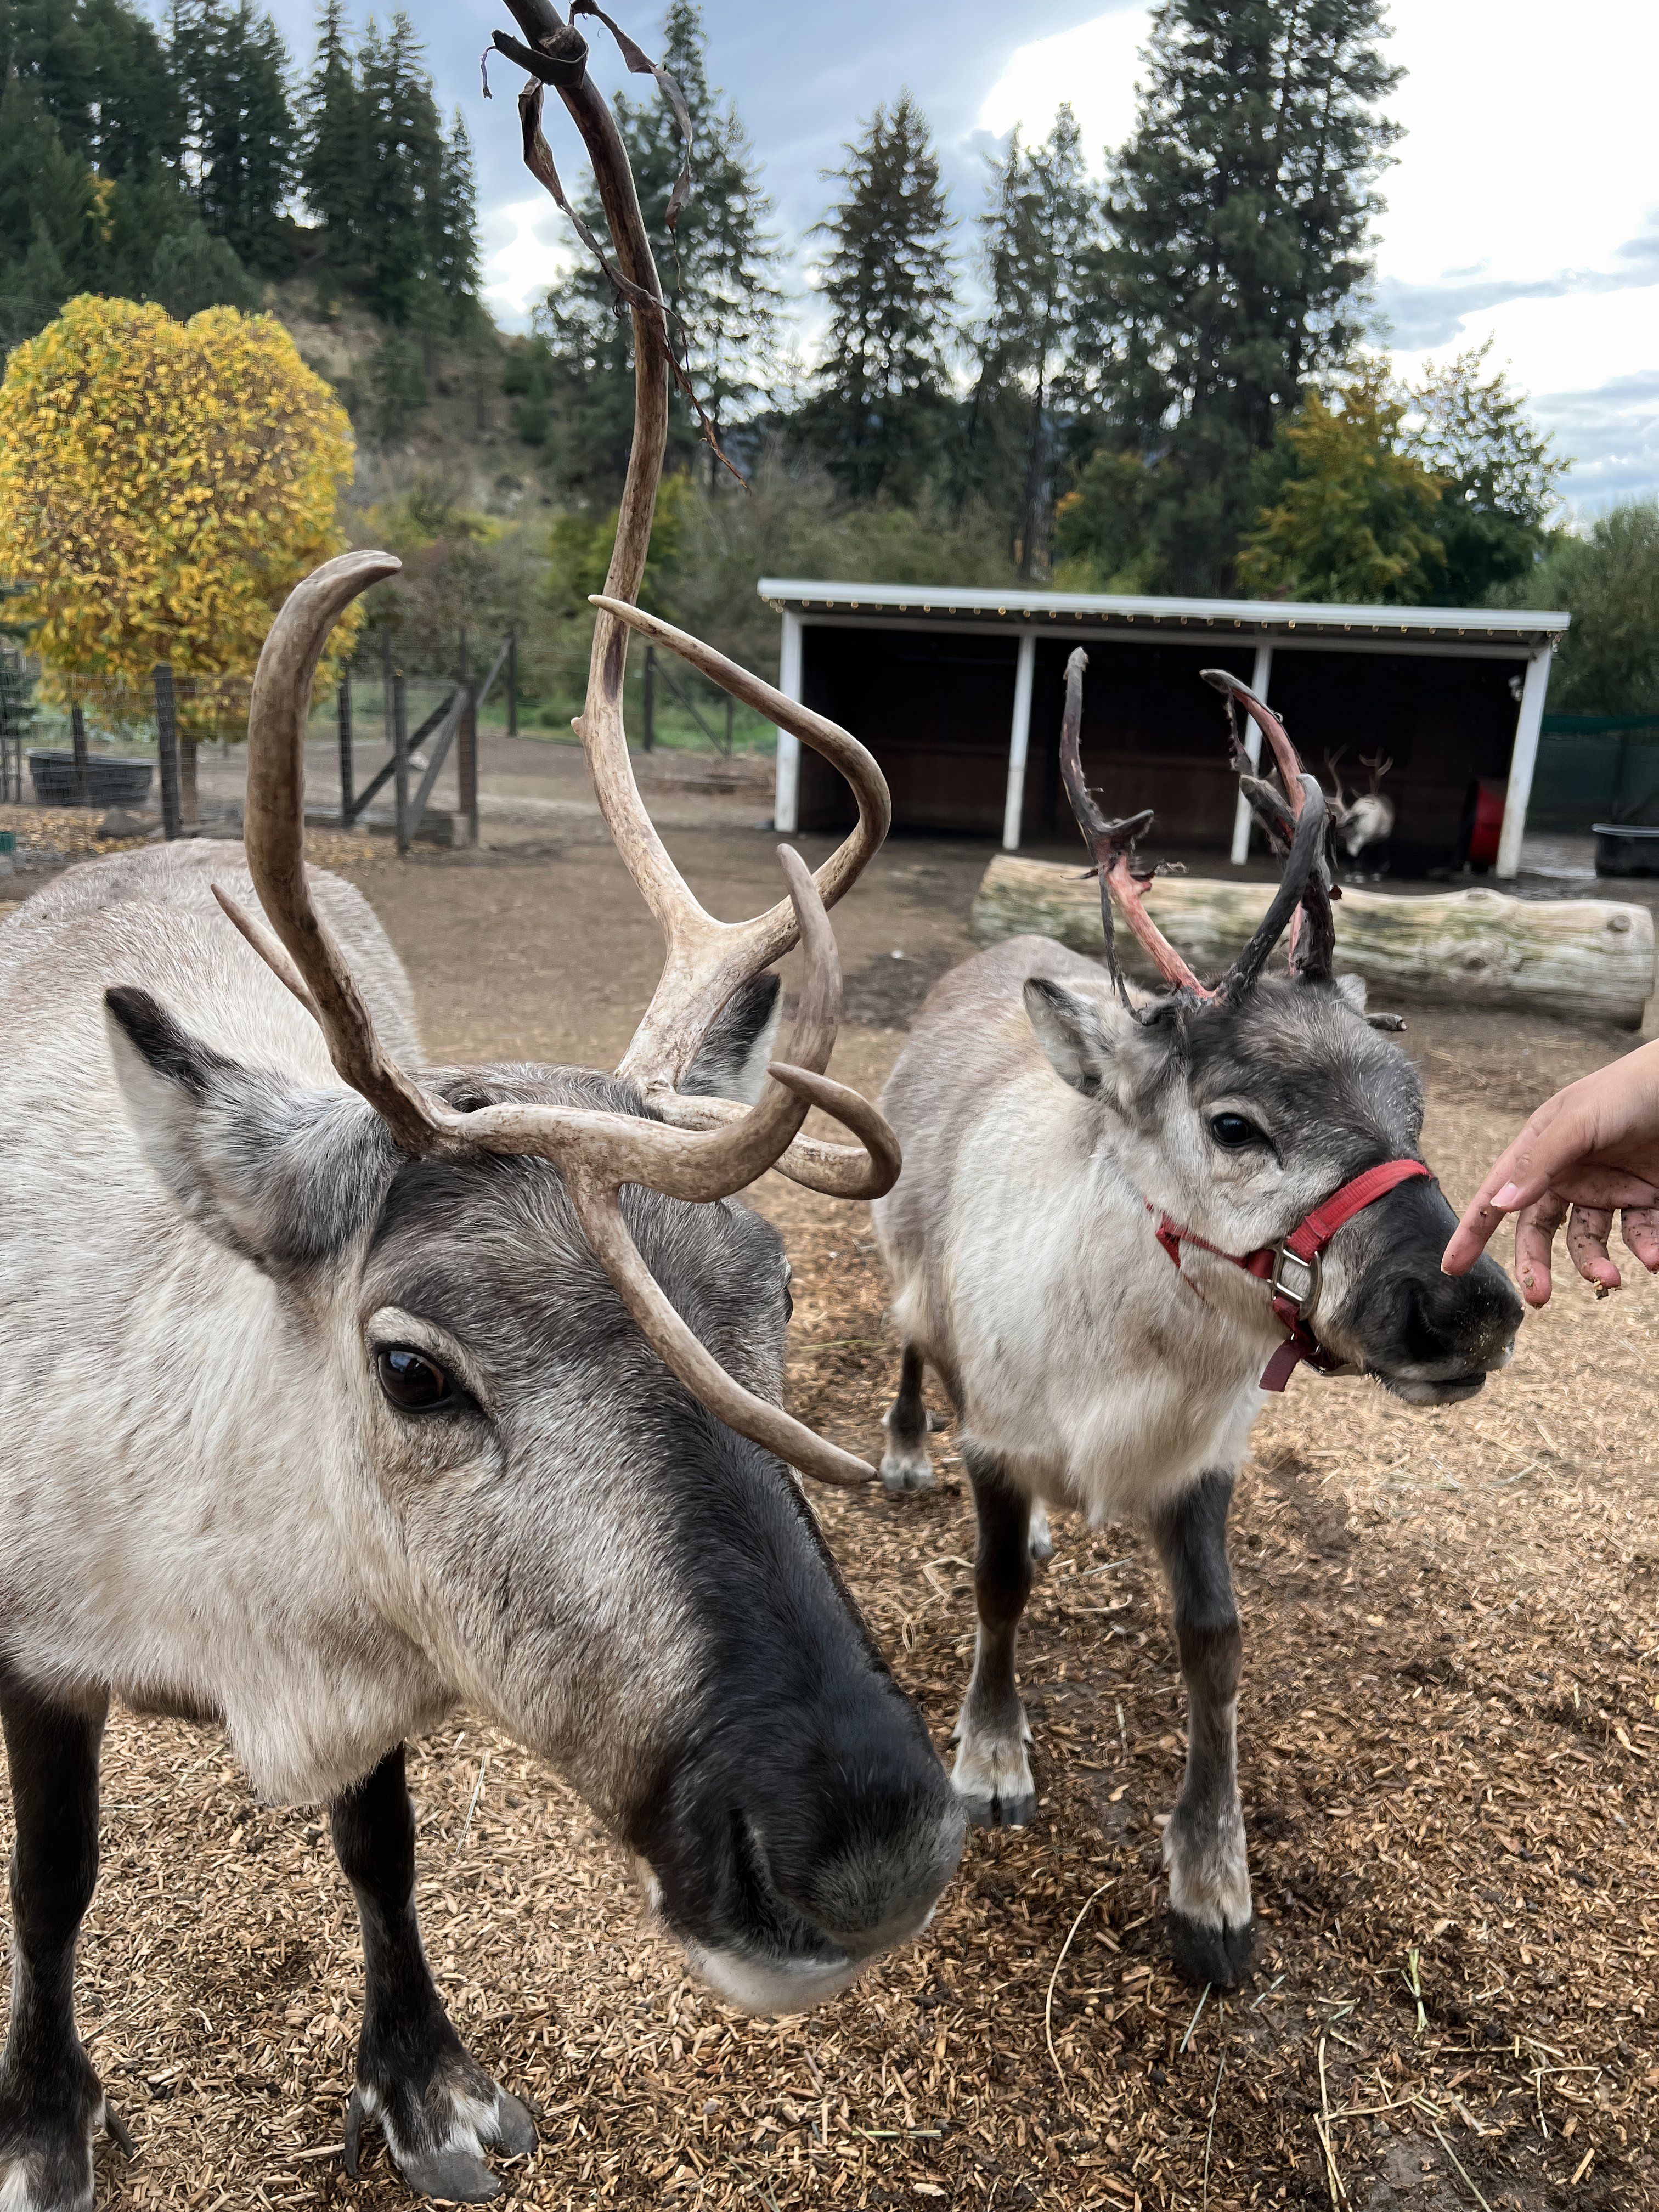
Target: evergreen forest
1155	368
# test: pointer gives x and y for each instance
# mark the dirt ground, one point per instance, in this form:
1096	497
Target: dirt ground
1449	1734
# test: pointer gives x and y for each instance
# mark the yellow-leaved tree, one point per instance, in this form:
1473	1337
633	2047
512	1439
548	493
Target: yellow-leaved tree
163	486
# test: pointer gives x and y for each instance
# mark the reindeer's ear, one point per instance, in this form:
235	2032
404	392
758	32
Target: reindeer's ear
1352	990
282	1175
1081	1034
731	1061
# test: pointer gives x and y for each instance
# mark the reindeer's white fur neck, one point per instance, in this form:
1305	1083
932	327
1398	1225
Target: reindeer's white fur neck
1062	1311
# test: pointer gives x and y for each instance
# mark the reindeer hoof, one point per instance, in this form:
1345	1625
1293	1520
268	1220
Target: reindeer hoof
993	1775
437	2141
905	1471
1219	1955
1013	1811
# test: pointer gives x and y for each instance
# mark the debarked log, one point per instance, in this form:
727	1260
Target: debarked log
1587	960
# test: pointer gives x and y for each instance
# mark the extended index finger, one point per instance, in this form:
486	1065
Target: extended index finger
1520	1175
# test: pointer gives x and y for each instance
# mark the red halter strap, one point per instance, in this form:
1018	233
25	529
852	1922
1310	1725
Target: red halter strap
1290	1267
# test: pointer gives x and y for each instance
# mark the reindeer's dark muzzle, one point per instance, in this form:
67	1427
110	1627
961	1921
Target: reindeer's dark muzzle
796	1842
1431	1338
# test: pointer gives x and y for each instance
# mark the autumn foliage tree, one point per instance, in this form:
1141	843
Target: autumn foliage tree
163	486
1357	517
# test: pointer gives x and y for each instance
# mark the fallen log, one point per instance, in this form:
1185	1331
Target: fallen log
1587	960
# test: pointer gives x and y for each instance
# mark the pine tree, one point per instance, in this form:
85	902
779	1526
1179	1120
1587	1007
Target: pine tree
100	71
1035	235
241	145
453	229
717	266
404	148
137	120
1240	215
45	191
880	407
333	164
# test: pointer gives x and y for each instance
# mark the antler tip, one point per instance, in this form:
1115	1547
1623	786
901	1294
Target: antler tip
1223	679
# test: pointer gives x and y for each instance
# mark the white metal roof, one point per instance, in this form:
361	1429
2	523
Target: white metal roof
1526	626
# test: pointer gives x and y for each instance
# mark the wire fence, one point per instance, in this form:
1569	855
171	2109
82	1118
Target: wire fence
110	743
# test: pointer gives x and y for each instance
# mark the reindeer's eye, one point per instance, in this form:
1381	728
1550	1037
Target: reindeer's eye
1232	1131
412	1383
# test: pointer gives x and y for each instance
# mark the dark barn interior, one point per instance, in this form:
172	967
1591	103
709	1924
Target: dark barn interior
932	705
1444	723
1153	735
935	704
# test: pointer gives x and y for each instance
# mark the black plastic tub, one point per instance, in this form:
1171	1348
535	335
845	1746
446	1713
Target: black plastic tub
1626	848
109	782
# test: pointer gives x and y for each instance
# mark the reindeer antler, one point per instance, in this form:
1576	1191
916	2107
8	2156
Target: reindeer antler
707	960
696	1150
1297	825
596	1152
1112	844
1307	866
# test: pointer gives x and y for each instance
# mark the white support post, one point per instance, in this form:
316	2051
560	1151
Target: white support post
1019	739
785	804
1260	676
1524	759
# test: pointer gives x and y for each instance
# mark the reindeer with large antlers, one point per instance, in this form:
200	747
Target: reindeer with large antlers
339	1388
1123	1214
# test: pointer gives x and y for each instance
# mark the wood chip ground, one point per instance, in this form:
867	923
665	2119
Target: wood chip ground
1449	1734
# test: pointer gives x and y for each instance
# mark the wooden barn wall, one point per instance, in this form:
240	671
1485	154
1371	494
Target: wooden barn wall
934	707
1444	724
1153	735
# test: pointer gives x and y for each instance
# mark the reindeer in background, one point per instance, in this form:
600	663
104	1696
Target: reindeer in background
1364	823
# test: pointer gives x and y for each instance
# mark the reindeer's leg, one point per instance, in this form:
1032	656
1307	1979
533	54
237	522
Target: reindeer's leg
1210	1912
438	2109
905	1464
993	1773
51	2106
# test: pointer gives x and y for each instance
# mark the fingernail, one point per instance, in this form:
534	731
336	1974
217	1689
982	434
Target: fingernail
1508	1199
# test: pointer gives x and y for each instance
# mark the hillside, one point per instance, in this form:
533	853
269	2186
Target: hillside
424	411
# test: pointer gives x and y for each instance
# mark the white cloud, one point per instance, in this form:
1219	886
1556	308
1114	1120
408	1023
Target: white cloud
1093	66
523	254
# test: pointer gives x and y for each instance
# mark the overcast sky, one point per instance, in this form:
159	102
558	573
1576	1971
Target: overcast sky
1524	202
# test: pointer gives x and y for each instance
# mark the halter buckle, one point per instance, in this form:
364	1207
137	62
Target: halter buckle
1285	1285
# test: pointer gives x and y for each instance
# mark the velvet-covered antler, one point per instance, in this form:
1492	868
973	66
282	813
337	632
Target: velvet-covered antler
1112	844
1313	923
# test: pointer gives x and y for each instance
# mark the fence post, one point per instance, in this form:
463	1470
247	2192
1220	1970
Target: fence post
190	802
730	706
347	779
648	738
400	756
167	748
78	745
512	684
466	765
387	717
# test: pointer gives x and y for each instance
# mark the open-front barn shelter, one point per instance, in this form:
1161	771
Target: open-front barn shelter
959	695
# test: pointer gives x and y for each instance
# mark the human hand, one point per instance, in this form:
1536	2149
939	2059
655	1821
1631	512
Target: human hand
1590	1151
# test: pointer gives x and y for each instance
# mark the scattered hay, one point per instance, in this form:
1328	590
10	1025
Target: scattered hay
49	836
1449	1734
56	836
